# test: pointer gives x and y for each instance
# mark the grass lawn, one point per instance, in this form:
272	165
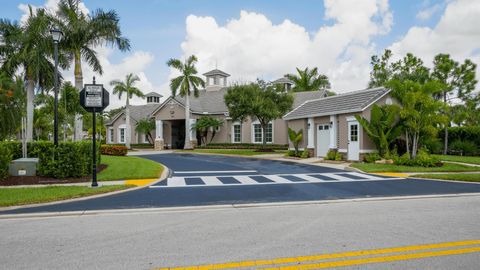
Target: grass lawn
447	167
123	168
20	196
471	177
463	159
242	152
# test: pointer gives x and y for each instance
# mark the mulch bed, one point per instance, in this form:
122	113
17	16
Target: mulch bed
43	180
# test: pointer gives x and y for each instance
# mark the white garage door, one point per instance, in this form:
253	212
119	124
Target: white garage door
323	140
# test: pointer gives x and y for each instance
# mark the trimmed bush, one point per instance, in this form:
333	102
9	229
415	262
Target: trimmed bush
470	134
463	147
68	159
305	153
243	146
333	155
5	158
114	150
371	157
423	159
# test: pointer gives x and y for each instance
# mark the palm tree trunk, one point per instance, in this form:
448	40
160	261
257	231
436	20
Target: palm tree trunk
445	147
30	87
78	123
187	145
127	123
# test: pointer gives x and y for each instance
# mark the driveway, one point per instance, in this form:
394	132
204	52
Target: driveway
199	180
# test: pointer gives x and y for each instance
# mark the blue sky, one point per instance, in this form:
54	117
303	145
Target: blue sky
158	28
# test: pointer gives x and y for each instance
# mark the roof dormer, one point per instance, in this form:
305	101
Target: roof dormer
153	98
285	82
216	79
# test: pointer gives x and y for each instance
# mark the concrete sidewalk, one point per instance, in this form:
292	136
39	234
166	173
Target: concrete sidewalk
133	182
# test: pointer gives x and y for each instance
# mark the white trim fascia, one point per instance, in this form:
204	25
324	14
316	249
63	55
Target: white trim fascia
110	139
365	151
324	114
342	150
377	99
351	119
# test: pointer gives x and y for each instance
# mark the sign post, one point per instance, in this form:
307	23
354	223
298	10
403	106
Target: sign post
94	98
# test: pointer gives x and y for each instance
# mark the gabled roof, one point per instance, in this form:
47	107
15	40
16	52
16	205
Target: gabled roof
355	101
216	72
137	112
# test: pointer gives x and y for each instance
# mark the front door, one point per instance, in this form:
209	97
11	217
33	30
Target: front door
353	140
323	140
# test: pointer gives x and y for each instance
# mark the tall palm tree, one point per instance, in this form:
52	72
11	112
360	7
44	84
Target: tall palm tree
309	80
29	48
82	33
129	90
185	83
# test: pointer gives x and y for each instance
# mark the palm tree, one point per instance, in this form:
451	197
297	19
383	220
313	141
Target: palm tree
127	87
29	48
295	138
82	33
146	126
309	80
185	83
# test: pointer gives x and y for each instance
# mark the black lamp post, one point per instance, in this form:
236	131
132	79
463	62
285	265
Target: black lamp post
57	35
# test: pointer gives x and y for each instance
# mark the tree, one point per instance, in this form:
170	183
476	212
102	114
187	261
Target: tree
82	33
419	111
383	127
309	80
146	126
205	124
127	87
295	138
257	101
28	48
185	83
456	78
12	105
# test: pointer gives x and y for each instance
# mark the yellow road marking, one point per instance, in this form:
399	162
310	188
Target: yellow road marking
402	257
140	182
393	174
300	259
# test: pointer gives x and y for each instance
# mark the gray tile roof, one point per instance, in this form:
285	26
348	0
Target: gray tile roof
355	101
216	72
153	94
137	113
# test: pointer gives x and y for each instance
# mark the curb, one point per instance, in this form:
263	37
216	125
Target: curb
229	206
162	177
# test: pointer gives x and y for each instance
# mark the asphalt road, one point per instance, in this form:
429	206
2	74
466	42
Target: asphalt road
147	240
200	180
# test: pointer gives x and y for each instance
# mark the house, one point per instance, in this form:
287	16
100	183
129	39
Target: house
329	122
169	117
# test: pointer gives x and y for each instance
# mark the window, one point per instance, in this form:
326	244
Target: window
237	133
149	99
110	135
258	134
122	135
145	138
353	133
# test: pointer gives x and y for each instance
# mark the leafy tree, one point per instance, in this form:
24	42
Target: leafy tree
466	114
82	33
309	80
28	48
457	79
383	127
127	87
419	111
12	105
295	138
146	126
185	83
205	124
257	101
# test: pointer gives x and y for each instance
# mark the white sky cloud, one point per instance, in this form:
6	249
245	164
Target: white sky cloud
252	46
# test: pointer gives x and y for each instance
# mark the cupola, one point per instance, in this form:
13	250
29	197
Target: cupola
216	79
153	98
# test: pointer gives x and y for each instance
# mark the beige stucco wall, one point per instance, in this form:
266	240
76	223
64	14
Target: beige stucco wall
296	125
173	111
135	138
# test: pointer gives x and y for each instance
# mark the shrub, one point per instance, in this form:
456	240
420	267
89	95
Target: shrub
5	158
423	159
469	133
464	147
433	145
291	153
330	155
371	157
338	156
305	153
403	160
243	146
113	150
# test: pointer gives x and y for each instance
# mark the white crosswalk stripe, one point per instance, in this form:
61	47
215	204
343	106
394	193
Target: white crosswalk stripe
226	180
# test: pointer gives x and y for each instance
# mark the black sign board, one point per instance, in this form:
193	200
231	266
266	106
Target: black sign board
94	97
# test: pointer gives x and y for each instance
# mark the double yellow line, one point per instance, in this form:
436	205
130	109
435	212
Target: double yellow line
311	262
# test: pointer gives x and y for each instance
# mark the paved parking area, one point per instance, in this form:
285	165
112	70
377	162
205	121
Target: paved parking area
200	180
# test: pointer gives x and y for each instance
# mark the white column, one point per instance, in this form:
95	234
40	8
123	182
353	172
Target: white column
193	132
333	131
159	129
311	130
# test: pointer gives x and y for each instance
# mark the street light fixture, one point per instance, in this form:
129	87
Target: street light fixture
57	35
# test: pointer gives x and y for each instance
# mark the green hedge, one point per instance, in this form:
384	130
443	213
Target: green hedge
68	159
462	134
243	146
